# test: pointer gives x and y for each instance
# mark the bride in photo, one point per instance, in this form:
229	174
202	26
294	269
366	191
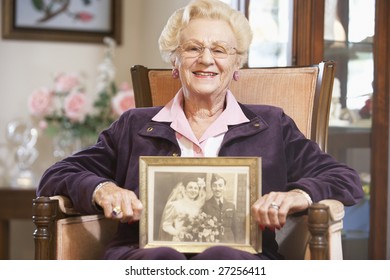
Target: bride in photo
184	203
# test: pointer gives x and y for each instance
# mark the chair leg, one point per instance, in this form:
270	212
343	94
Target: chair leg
318	223
44	213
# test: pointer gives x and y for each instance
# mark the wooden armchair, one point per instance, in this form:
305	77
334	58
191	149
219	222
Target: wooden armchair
303	92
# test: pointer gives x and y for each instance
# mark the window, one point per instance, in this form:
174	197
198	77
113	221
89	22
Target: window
272	26
271	22
348	33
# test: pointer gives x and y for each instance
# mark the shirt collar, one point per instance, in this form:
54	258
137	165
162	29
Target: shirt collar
232	114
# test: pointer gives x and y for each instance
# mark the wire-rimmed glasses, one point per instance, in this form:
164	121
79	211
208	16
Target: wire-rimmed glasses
193	49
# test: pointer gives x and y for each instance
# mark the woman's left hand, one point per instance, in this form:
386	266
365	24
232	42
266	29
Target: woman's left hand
271	210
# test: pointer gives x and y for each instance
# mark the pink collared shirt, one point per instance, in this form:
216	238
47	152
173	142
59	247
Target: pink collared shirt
210	142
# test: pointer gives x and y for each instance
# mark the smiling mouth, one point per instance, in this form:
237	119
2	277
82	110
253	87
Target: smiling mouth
205	74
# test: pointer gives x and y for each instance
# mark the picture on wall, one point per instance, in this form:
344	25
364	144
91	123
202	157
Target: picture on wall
83	21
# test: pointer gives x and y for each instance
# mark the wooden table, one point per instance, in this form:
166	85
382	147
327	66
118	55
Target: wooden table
14	204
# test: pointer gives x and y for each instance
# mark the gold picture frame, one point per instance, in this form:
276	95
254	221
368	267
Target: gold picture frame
176	216
29	20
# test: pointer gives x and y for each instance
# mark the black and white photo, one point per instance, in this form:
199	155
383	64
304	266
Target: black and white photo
195	203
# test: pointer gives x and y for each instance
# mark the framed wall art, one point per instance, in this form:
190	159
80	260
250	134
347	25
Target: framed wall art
191	204
82	21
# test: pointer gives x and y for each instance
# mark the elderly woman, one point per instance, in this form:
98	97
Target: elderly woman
206	42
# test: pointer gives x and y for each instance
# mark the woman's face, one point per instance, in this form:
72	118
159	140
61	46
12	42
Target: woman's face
192	190
207	74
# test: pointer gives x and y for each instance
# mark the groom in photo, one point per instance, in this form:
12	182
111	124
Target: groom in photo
224	210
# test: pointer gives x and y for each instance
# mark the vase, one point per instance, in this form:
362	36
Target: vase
23	136
65	143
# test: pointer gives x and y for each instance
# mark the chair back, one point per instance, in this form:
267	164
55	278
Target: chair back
304	92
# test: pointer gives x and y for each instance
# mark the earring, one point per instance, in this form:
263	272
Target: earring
175	73
236	75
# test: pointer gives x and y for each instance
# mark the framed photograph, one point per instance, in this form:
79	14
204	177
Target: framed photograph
191	204
82	21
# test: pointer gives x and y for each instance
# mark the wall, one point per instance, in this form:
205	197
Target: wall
26	65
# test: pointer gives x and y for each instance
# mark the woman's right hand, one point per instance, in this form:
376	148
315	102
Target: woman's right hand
111	197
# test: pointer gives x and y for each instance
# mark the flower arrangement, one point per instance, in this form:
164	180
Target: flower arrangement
202	228
66	107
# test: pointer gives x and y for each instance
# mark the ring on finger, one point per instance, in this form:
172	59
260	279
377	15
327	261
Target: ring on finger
116	211
275	206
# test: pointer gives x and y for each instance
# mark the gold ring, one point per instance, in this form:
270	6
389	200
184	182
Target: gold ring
116	211
275	206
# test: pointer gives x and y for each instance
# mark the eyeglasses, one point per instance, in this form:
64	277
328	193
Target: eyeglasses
193	49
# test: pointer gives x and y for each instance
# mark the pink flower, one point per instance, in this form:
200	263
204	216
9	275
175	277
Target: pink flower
40	102
76	106
123	101
84	16
66	82
42	125
125	87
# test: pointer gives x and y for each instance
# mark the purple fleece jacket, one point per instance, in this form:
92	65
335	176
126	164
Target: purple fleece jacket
289	160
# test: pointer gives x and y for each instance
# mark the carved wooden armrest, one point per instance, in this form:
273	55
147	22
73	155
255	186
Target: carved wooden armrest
65	205
62	233
336	216
325	222
45	213
336	209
